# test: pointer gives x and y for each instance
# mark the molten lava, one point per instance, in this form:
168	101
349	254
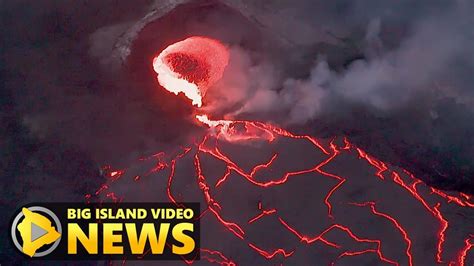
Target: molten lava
334	231
191	66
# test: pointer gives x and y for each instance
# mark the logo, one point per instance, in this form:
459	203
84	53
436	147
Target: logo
108	231
36	231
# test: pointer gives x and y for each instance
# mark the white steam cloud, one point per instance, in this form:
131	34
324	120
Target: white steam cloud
384	80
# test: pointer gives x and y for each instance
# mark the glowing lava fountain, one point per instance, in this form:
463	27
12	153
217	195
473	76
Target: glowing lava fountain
385	215
191	66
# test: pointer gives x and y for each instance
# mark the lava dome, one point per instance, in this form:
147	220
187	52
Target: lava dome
191	66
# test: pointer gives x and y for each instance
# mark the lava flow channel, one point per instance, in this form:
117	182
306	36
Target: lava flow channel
328	203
